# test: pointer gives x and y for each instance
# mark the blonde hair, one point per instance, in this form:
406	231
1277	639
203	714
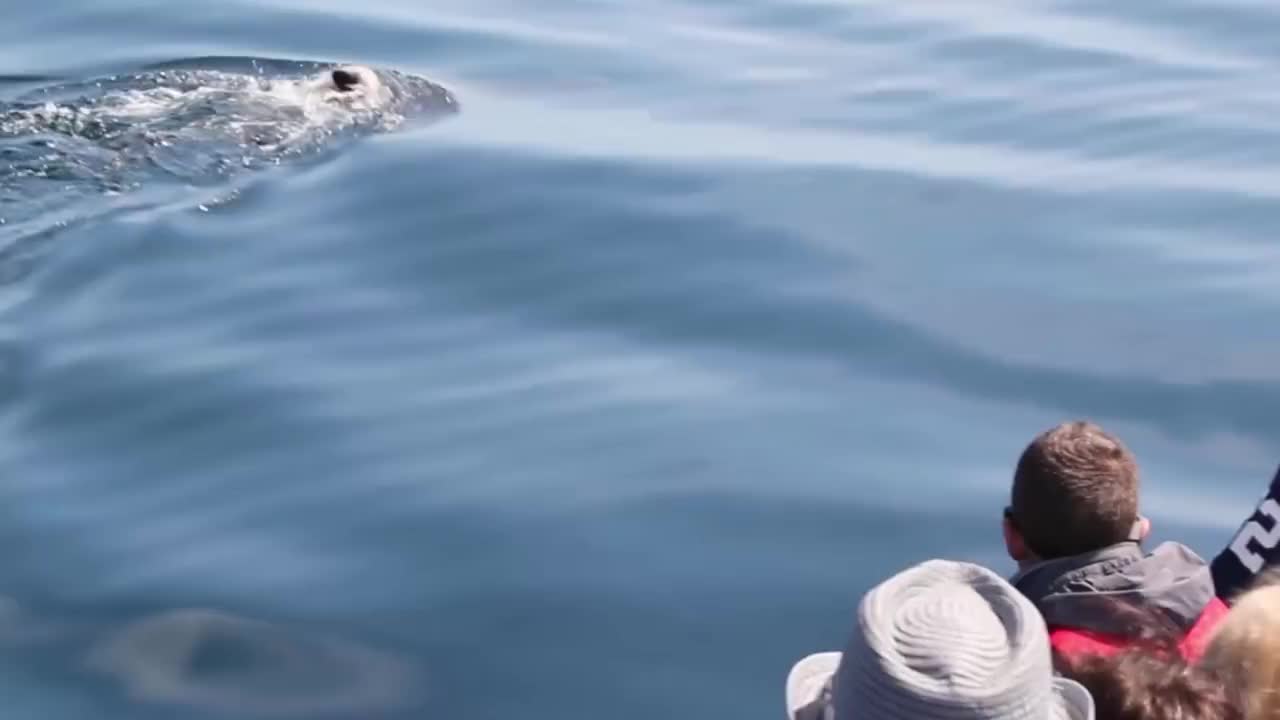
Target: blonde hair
1244	650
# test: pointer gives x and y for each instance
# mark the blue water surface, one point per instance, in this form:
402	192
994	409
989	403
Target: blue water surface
607	395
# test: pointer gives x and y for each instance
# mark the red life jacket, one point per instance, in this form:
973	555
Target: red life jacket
1073	642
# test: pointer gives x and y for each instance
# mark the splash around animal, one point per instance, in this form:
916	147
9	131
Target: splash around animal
197	120
227	94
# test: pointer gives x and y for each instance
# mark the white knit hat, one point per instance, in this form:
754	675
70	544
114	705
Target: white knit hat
939	641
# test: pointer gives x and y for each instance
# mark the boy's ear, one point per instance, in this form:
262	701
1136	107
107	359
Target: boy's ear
1014	544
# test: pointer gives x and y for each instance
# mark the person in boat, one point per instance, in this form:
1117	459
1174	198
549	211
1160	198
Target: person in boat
1254	549
1074	529
1151	678
1244	649
941	640
1141	684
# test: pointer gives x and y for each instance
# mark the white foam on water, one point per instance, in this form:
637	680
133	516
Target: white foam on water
209	105
64	145
294	107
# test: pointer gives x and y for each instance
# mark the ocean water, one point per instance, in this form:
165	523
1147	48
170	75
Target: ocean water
598	375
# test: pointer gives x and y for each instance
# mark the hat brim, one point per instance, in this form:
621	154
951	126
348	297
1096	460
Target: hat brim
805	684
1071	701
808	679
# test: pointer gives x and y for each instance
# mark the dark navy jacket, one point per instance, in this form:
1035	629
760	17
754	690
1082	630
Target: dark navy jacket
1255	547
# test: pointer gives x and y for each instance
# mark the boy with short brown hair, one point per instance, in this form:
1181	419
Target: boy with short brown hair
1074	528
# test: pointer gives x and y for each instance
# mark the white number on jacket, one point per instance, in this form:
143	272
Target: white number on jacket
1266	539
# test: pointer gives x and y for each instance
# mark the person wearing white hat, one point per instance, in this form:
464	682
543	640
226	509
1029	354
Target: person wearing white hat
942	640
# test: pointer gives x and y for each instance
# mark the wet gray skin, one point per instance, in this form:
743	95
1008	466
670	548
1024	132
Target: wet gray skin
195	122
